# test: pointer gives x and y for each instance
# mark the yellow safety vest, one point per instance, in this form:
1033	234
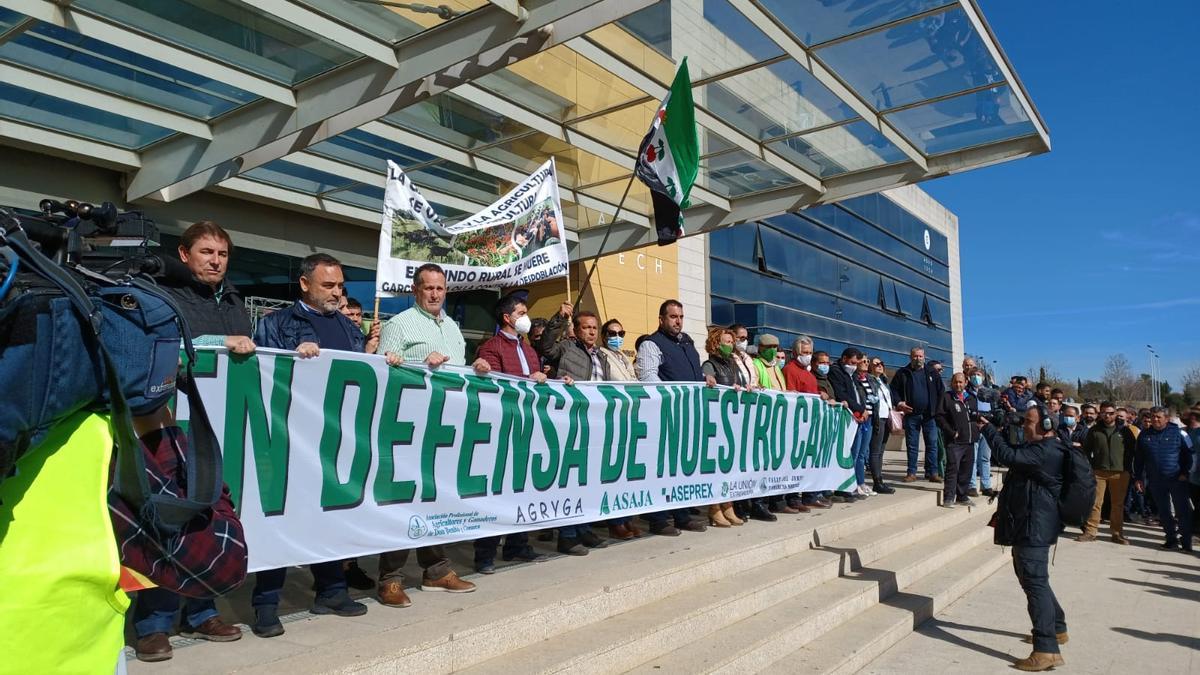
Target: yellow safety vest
61	610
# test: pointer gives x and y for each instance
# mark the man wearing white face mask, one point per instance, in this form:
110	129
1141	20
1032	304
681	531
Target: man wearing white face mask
508	352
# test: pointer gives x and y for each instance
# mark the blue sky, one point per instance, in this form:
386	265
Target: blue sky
1094	248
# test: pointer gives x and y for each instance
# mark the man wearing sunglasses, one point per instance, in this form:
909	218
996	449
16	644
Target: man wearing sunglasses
1110	448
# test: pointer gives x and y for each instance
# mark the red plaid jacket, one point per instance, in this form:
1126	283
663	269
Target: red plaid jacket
207	557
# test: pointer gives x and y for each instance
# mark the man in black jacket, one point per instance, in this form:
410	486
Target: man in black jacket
841	376
1027	520
213	311
955	409
916	390
211	305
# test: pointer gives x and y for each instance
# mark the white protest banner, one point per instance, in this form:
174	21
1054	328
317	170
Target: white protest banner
341	456
516	241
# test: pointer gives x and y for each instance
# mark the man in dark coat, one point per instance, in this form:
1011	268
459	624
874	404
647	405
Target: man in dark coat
1027	520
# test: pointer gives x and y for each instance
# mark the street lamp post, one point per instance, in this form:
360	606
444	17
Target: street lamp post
1153	376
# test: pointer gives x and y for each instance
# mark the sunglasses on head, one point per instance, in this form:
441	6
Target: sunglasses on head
616	333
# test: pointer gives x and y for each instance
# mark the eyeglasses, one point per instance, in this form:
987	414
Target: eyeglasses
616	333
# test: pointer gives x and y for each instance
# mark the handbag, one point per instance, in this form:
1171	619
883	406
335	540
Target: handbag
896	419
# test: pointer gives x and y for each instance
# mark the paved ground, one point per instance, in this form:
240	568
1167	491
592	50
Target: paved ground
1130	609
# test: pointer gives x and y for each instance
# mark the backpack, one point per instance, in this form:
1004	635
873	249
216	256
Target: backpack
73	340
1078	487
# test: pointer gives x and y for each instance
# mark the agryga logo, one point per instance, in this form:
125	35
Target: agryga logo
417	528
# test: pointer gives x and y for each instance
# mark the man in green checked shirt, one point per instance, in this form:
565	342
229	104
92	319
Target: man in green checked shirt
423	333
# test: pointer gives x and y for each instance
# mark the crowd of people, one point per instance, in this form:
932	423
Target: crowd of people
1141	459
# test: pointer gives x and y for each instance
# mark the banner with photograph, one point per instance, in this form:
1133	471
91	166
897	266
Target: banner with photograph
516	241
340	456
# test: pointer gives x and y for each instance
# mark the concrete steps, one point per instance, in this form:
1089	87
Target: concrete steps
872	575
746	599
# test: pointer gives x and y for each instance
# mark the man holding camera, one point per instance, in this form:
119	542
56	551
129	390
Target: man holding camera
213	310
1027	519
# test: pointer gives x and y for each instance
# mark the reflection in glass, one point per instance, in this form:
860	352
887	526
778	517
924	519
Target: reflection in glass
850	147
964	121
75	118
369	151
452	119
230	31
714	36
816	21
925	58
63	53
390	23
296	177
738	173
774	100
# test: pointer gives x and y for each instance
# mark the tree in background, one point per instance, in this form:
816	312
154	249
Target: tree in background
1118	378
1046	373
1191	384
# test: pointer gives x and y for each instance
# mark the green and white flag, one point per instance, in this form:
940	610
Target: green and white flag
670	156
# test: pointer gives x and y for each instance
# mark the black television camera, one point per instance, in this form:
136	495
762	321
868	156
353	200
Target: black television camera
99	238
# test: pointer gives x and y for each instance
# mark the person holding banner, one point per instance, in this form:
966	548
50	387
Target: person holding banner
508	352
423	333
620	369
575	358
311	324
721	367
669	355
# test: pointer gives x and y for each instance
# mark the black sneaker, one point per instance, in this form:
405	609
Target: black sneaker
266	621
883	489
973	492
590	540
358	579
663	530
486	567
339	604
1170	544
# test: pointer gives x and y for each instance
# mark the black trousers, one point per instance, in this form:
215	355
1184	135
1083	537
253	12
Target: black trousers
1032	565
879	437
960	462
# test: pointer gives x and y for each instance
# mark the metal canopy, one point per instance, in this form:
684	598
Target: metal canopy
299	103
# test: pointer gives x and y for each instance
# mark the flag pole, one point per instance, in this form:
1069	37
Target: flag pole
603	242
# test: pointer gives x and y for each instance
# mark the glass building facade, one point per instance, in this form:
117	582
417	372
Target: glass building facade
863	272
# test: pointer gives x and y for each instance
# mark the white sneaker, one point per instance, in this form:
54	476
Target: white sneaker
863	491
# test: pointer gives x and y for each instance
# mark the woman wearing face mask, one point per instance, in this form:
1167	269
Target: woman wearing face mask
866	386
722	368
619	368
883	427
745	362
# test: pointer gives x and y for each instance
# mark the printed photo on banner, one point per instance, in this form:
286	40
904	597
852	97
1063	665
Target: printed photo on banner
516	241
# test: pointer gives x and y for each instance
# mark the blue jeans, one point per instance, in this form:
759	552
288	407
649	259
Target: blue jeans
328	578
914	425
983	464
861	450
154	611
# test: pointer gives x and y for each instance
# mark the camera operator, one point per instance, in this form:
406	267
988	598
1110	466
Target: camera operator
213	309
1028	520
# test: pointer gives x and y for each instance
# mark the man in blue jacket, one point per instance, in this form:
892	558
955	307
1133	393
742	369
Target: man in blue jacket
311	324
1165	453
1027	520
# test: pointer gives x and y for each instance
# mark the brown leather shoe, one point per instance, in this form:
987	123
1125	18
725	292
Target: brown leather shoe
730	514
800	507
391	593
1063	638
716	517
1120	539
822	503
634	529
449	583
1039	661
619	532
213	630
1086	536
910	478
782	507
153	647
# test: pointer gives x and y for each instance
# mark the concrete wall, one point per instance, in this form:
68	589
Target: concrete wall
917	202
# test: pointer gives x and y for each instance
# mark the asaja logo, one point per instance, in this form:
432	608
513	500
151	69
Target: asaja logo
417	528
623	501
